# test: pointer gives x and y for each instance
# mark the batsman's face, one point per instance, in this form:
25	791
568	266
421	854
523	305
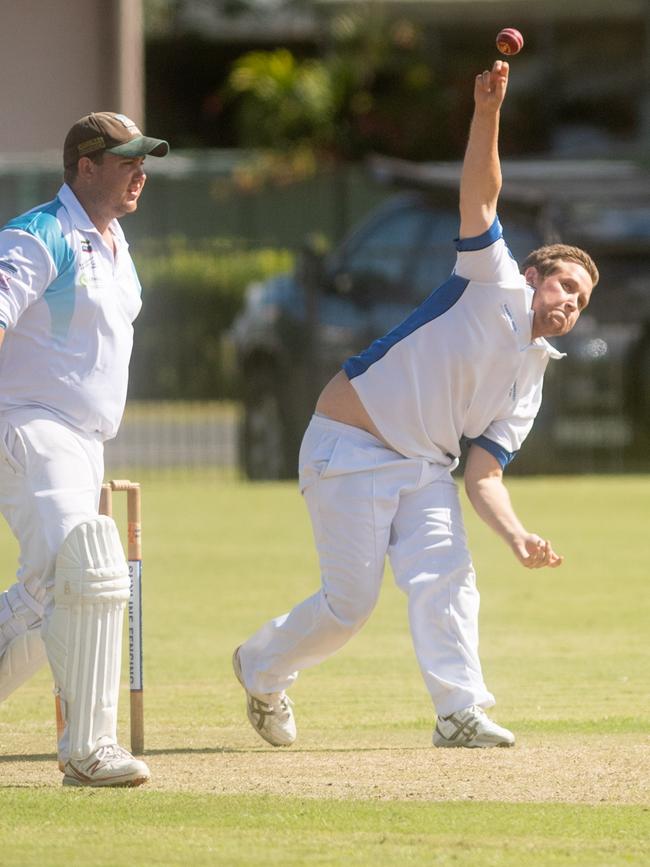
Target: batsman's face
119	182
559	298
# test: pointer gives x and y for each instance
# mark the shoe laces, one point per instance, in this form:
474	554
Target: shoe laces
108	752
282	704
473	709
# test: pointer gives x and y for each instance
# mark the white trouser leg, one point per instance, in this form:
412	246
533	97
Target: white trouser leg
19	611
351	486
21	648
50	479
431	563
22	658
352	565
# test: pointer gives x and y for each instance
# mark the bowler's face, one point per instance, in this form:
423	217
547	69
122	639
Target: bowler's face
559	298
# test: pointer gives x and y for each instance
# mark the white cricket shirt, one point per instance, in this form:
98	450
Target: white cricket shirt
67	304
462	364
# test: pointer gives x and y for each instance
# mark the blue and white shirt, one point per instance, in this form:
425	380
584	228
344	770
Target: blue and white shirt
462	364
67	303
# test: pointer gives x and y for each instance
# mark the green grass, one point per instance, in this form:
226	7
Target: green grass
107	828
565	652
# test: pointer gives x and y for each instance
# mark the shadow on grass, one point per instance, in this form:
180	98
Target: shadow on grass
43	757
207	751
277	750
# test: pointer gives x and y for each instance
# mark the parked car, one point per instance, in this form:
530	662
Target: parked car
296	329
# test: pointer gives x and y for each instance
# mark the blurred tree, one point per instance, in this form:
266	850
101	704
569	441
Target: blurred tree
286	102
372	89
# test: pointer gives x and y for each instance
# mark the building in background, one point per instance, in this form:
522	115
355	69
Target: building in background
62	59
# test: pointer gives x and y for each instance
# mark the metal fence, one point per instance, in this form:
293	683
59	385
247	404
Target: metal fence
203	194
175	437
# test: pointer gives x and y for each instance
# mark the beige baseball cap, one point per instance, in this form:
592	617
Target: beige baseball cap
113	133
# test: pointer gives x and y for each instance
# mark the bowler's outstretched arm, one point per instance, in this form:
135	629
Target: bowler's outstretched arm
480	182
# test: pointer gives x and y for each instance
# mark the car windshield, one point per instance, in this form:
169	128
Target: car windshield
401	255
407	251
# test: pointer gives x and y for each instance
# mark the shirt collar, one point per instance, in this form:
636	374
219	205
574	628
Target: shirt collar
81	219
548	348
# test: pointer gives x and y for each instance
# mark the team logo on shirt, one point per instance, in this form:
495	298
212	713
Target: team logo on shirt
509	317
9	268
86	246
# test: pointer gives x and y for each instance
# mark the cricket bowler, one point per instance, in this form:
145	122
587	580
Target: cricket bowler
376	462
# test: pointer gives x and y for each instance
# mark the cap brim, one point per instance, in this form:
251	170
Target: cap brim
141	146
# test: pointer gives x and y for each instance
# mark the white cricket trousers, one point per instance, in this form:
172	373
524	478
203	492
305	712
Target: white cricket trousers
365	501
50	481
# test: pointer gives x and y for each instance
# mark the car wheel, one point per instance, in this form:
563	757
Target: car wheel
263	438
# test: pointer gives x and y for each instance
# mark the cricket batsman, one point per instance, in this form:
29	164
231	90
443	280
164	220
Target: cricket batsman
68	296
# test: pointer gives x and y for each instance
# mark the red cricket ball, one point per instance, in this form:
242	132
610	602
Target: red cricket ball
510	41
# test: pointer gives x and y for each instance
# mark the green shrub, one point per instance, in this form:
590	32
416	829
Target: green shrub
191	295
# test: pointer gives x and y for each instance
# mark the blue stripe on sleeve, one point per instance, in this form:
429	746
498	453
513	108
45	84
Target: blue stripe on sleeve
480	242
44	225
502	455
439	302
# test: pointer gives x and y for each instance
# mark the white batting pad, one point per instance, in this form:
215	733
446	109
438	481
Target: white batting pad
83	637
22	658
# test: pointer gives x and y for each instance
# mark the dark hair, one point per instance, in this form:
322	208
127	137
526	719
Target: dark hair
70	172
545	260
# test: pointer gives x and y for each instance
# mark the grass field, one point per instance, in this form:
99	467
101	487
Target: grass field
565	652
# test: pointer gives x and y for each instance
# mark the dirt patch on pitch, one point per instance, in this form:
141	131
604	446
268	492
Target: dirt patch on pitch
597	771
589	774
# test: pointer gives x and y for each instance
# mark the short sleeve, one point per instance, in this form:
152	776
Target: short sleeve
486	258
502	455
511	427
26	270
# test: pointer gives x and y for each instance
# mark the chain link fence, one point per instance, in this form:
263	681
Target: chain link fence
175	437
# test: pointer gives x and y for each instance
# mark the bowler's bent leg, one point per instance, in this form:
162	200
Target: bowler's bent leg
351	532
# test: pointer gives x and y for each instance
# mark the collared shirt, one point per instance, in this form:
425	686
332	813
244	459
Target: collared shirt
463	364
67	303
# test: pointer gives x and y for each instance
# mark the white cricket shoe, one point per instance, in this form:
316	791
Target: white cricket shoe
470	727
109	765
270	715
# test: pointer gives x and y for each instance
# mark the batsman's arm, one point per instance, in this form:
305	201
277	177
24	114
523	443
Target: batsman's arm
491	501
28	268
2	333
480	182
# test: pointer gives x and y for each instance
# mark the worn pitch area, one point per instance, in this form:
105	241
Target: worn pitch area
586	770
